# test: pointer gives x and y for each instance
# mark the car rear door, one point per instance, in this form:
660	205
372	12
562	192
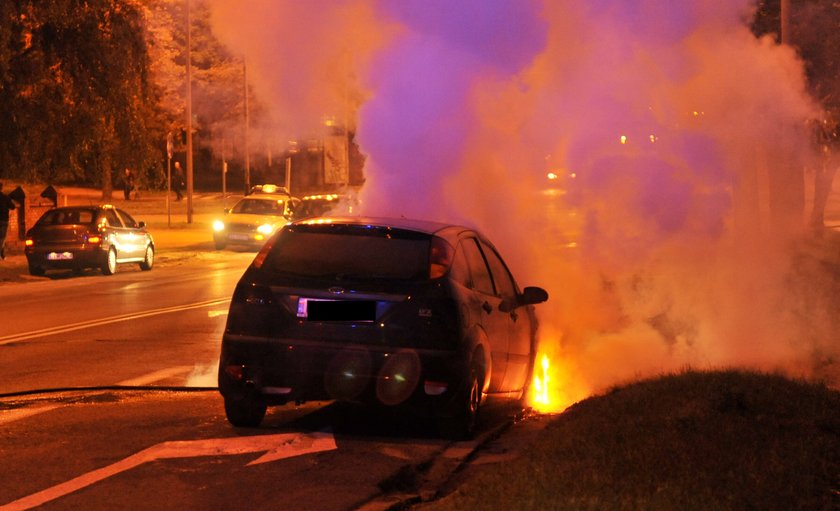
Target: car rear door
484	304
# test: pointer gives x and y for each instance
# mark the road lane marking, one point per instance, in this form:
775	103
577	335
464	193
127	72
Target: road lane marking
25	336
158	375
7	416
276	447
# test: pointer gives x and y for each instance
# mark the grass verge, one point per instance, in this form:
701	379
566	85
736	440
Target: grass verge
727	440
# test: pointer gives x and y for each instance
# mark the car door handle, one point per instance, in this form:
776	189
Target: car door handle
487	307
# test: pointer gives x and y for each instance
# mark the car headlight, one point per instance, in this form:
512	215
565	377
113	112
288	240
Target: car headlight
218	225
265	229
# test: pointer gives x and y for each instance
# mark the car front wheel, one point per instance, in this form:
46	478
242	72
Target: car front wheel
245	412
149	260
109	267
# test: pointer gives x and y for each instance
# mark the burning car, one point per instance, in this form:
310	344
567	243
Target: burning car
397	313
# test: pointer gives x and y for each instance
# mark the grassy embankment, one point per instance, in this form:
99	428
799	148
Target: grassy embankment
725	440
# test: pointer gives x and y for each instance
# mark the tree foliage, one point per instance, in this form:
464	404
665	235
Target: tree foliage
75	97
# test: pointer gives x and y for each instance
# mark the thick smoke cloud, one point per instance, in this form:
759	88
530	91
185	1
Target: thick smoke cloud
673	129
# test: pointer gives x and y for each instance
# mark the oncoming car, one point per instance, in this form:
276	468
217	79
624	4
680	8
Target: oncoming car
395	313
325	204
253	219
79	237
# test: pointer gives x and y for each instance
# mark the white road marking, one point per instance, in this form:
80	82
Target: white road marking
7	416
7	339
194	375
154	376
279	446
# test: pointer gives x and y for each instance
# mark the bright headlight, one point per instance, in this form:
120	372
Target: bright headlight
218	225
265	229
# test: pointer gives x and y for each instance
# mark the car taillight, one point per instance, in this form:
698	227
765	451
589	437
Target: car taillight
94	239
29	242
263	253
252	294
440	257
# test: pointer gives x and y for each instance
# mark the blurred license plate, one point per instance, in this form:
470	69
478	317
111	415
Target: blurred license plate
238	237
336	310
60	256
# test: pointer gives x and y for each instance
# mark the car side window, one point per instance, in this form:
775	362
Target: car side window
478	268
460	270
127	219
501	276
111	217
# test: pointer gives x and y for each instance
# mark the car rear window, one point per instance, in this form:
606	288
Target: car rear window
68	217
350	252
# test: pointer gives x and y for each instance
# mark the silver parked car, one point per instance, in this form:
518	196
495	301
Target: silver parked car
79	237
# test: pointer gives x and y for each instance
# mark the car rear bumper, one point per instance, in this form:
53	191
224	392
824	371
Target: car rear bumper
280	371
58	257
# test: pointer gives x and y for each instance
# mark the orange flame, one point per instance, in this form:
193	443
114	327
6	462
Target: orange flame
542	399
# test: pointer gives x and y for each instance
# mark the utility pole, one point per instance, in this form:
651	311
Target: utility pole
247	149
785	22
189	121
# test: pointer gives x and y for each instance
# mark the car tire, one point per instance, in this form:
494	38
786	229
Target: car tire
149	260
461	425
245	412
220	245
36	271
109	267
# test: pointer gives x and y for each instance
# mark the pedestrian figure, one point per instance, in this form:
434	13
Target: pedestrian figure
6	205
178	181
128	184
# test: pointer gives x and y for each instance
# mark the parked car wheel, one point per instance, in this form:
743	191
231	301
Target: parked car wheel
36	271
461	425
246	412
149	260
109	267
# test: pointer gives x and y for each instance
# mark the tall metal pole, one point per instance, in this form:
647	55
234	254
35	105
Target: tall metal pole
189	121
785	22
247	148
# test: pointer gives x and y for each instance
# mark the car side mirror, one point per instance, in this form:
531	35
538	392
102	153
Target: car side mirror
529	296
141	224
532	294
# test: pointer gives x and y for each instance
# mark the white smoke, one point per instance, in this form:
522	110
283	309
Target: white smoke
679	125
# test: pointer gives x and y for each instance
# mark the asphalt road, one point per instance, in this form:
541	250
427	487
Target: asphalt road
107	401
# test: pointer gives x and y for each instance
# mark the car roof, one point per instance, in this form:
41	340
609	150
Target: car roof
448	231
266	196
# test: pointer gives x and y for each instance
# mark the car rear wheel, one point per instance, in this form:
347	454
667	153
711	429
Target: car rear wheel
36	270
220	245
109	267
461	425
149	260
246	412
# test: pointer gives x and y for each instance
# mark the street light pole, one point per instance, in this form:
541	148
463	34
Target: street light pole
189	121
247	149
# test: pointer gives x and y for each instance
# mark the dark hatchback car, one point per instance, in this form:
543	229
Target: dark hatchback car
398	313
79	237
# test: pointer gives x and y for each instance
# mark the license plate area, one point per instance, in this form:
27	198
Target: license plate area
314	309
60	256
